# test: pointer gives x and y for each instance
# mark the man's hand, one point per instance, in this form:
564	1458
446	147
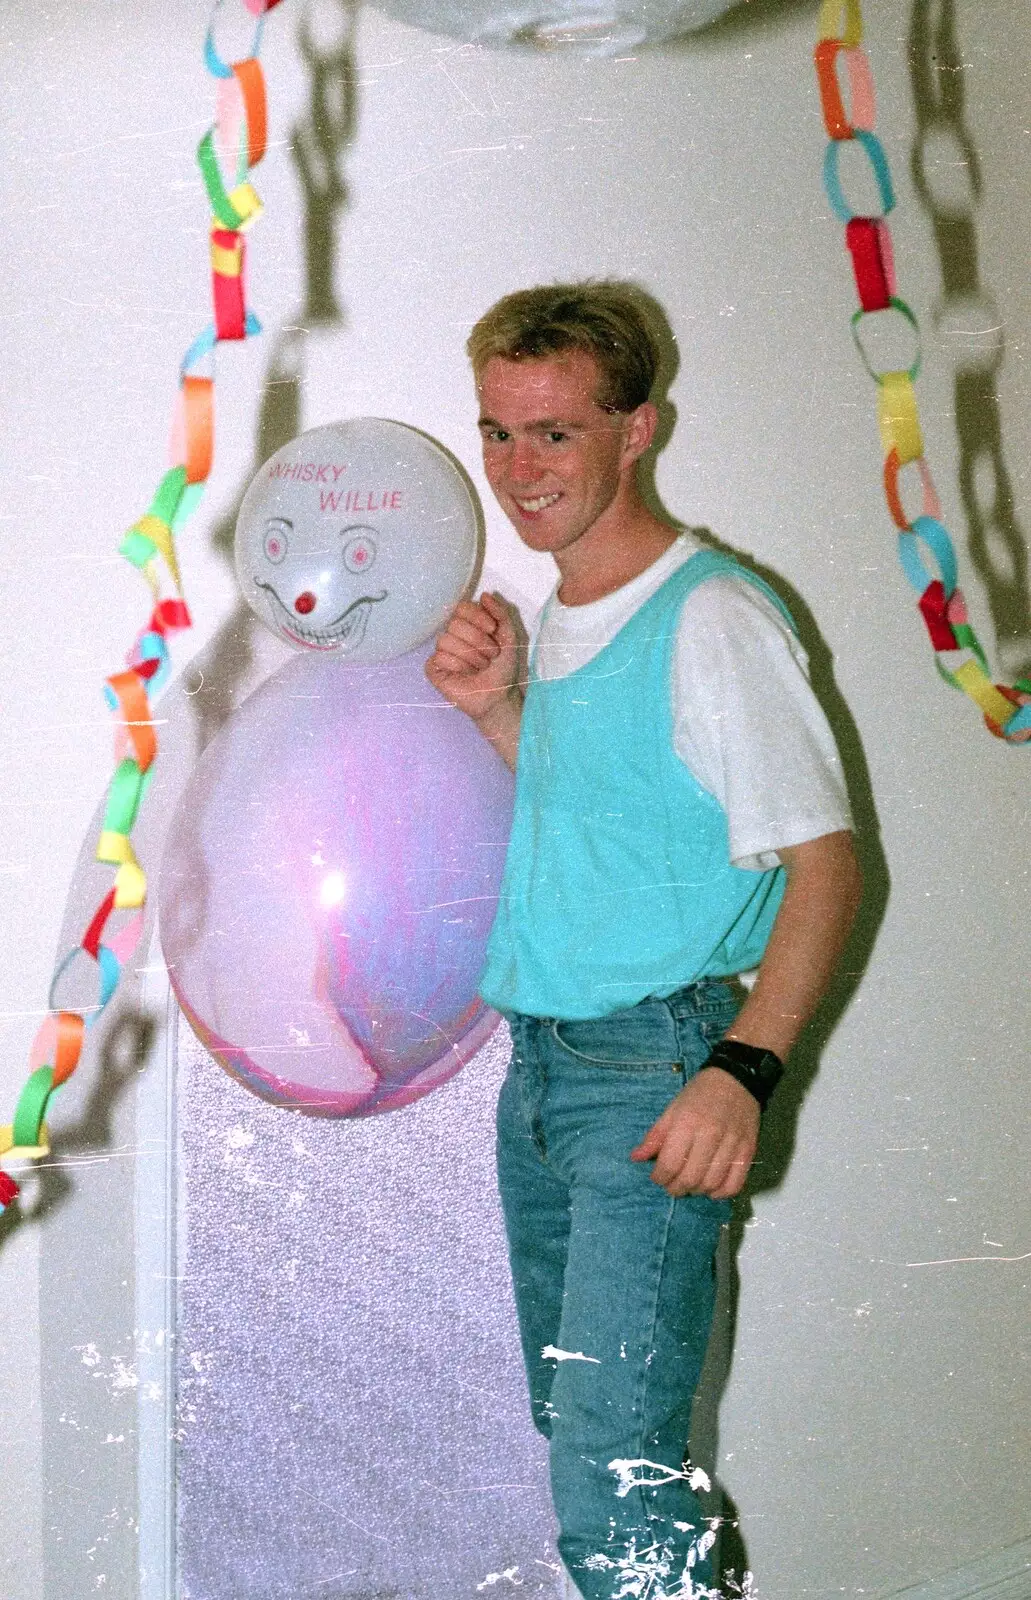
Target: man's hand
476	667
705	1140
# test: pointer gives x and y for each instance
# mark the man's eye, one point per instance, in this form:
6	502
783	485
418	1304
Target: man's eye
556	436
497	436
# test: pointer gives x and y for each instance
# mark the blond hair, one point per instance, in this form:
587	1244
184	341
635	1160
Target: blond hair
606	319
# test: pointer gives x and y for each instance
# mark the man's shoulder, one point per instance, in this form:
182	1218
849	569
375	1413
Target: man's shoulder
731	599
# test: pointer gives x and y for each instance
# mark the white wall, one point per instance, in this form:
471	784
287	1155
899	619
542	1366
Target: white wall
871	1432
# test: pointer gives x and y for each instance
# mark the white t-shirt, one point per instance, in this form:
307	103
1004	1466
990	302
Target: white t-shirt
746	722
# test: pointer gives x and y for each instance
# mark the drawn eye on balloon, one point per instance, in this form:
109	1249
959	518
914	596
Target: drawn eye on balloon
277	540
359	549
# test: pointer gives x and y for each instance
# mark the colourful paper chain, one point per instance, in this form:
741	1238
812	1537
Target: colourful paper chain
959	656
237	141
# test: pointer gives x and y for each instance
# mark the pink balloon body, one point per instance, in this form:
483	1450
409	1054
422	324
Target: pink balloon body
328	884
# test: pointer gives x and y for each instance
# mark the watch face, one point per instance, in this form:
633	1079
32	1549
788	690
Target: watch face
755	1069
357	538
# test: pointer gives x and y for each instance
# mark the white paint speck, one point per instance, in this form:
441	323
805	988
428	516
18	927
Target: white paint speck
123	1375
551	1352
654	1473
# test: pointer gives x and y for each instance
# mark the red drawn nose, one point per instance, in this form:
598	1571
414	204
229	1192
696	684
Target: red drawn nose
305	602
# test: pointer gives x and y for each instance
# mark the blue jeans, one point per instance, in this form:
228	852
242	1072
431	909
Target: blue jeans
614	1283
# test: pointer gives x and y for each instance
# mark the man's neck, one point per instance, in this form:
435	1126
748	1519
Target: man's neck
593	570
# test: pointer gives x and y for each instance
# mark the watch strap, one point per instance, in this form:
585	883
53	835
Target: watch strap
754	1068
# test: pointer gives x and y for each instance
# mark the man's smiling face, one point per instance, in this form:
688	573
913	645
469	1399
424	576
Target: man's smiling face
554	457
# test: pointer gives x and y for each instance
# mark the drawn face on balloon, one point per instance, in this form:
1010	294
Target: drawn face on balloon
359	538
314	577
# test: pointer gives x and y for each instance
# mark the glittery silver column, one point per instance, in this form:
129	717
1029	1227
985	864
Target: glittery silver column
352	1416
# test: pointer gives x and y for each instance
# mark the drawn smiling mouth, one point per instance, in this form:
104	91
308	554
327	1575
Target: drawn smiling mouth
345	631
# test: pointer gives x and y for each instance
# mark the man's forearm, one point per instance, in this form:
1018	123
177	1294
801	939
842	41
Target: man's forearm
501	725
812	926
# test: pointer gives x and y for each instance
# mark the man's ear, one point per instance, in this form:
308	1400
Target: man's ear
640	431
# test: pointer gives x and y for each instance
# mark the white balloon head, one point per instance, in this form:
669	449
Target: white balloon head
590	27
359	537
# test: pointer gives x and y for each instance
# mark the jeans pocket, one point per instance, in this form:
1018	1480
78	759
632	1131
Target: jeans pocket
633	1042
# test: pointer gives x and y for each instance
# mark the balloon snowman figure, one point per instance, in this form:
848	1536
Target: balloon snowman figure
332	869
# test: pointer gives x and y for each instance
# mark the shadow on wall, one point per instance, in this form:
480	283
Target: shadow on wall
948	178
123	1055
224	671
780	1123
745	18
318	142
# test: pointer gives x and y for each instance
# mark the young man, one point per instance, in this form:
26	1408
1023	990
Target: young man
680	818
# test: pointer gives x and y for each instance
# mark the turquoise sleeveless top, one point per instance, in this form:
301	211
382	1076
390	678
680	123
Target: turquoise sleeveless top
618	882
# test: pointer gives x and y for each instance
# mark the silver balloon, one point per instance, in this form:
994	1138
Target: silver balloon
592	27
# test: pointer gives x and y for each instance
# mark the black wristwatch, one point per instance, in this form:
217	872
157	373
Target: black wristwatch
755	1069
